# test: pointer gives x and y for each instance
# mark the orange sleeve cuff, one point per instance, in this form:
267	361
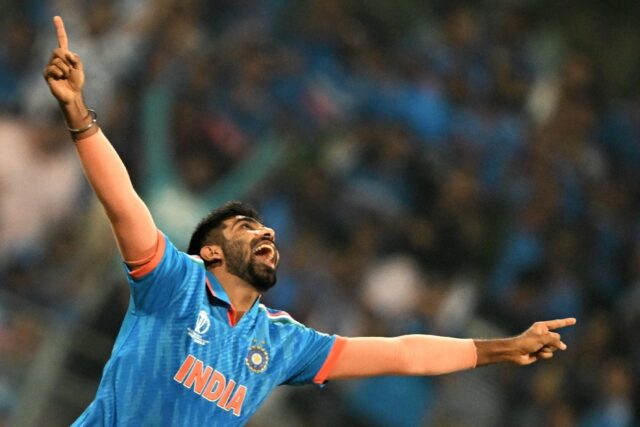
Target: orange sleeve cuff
329	363
148	264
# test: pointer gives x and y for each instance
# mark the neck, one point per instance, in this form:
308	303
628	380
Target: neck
241	294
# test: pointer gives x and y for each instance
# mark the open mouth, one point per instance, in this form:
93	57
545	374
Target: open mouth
267	252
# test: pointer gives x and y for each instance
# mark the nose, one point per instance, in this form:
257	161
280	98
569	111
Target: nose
268	233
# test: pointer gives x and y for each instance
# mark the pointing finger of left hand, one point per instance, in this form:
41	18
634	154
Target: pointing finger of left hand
559	323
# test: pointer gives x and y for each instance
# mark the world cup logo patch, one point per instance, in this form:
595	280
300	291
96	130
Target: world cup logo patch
257	359
201	327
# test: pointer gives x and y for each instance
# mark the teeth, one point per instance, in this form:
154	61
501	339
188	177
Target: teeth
263	246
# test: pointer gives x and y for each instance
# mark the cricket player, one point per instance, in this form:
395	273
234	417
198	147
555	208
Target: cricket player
196	346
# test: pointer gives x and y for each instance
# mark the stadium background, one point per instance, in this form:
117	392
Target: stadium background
440	167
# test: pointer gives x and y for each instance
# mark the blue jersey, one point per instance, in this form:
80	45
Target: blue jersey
179	361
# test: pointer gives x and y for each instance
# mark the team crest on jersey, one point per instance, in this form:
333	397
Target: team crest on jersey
201	327
257	359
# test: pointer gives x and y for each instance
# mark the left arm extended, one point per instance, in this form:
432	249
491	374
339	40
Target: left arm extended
434	355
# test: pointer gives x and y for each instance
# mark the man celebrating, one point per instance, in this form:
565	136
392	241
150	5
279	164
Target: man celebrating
196	346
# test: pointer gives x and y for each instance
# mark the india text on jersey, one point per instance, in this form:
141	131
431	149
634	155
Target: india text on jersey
211	384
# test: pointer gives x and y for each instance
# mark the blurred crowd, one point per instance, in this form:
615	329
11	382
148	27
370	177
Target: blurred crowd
454	168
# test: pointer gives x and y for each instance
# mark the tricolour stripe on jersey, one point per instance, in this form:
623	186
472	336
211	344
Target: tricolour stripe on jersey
279	316
197	259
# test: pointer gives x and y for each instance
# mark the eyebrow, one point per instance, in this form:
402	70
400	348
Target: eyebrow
246	219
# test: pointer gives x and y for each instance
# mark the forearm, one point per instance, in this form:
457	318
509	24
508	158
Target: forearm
495	351
435	355
76	115
131	221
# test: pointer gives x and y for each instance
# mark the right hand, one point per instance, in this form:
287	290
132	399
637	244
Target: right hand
64	73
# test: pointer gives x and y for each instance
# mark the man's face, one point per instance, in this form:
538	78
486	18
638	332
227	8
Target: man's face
250	251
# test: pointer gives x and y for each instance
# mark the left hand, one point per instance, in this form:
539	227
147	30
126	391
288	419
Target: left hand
539	342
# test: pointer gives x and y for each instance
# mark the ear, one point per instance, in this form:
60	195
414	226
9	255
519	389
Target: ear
211	254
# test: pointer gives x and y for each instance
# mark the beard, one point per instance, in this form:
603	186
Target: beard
240	262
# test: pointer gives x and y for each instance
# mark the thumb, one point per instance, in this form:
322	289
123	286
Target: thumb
74	60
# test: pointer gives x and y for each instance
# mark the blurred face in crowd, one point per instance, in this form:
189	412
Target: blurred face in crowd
250	251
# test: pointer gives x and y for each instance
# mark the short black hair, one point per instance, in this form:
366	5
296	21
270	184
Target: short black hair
208	230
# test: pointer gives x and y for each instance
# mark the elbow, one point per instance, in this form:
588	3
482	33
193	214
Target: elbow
125	209
408	360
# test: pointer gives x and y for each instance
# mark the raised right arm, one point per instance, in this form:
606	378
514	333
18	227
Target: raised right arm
131	221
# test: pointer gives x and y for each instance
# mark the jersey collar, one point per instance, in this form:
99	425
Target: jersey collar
217	291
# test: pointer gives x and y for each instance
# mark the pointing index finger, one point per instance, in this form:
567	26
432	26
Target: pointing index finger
61	33
560	323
